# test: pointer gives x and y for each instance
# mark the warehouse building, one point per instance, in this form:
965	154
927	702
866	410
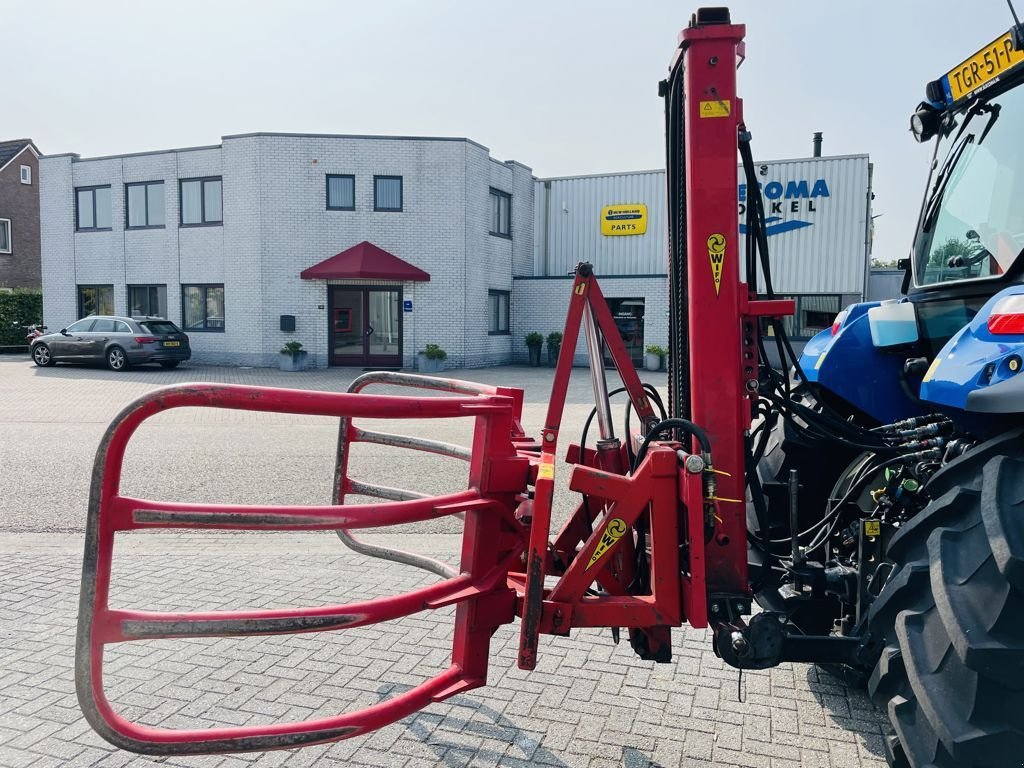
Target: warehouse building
363	248
367	248
818	222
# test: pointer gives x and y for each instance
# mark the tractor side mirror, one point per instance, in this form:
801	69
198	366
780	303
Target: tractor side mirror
904	264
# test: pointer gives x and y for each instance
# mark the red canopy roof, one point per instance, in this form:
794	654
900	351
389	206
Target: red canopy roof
364	260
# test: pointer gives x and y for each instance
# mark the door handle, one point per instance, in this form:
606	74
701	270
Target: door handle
369	330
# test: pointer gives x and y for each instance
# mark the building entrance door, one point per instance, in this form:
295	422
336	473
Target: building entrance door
629	319
366	326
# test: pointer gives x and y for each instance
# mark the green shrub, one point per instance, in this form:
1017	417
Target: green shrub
555	339
291	348
434	352
534	339
654	349
21	307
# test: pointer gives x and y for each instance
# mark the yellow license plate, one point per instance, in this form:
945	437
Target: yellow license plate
984	67
172	343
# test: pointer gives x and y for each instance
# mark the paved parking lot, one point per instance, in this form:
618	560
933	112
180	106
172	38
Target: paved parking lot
589	703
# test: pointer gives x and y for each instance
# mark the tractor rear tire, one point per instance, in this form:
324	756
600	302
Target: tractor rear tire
950	621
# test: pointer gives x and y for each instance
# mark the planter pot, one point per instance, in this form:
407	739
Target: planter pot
534	356
553	355
293	361
426	364
652	362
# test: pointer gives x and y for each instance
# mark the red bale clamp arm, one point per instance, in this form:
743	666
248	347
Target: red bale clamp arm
492	545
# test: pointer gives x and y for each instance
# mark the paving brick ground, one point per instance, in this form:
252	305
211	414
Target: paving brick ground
589	703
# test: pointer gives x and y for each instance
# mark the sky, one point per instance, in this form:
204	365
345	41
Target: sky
564	87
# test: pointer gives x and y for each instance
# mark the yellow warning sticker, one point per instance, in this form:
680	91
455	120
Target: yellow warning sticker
720	108
581	288
872	528
716	255
612	533
546	470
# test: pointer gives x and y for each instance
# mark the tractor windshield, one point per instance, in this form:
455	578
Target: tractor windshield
973	222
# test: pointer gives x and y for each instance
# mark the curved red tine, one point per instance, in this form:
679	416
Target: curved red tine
480	591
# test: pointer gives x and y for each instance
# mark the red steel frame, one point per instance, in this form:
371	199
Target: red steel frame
697	544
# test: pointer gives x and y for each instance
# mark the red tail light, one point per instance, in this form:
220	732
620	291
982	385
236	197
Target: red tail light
838	322
146	339
1007	316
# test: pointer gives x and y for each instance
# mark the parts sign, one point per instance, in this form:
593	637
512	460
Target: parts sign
624	219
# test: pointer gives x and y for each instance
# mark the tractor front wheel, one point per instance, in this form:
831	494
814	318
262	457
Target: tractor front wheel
950	621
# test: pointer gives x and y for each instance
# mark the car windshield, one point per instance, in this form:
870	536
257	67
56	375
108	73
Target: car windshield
159	327
973	223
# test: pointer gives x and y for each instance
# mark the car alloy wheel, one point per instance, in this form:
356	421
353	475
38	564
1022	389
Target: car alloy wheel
41	355
116	359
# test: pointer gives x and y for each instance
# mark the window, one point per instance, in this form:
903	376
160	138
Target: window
26	174
497	312
95	300
159	327
147	300
5	235
202	307
341	193
387	193
82	326
814	313
92	208
201	202
145	205
501	213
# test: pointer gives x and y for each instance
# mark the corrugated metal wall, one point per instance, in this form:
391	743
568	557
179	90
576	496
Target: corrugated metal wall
885	284
818	241
572	224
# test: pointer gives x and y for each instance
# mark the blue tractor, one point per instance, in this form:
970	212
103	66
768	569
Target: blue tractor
889	500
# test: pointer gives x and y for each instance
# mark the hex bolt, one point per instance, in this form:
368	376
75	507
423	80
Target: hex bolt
549	437
715	608
740	646
752	385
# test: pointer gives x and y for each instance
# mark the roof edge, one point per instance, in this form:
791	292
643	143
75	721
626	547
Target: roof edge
287	135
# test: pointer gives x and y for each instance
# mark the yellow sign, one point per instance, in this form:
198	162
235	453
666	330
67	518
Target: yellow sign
612	533
872	528
983	68
720	108
624	219
716	254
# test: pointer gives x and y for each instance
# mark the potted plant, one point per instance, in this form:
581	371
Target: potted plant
534	341
554	345
431	359
293	357
654	357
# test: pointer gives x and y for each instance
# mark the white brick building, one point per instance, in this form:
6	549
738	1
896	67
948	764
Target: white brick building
215	238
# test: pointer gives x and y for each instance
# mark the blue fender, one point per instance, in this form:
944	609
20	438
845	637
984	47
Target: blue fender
978	371
850	366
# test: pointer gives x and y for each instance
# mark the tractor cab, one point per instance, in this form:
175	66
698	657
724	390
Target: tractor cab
970	234
883	361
